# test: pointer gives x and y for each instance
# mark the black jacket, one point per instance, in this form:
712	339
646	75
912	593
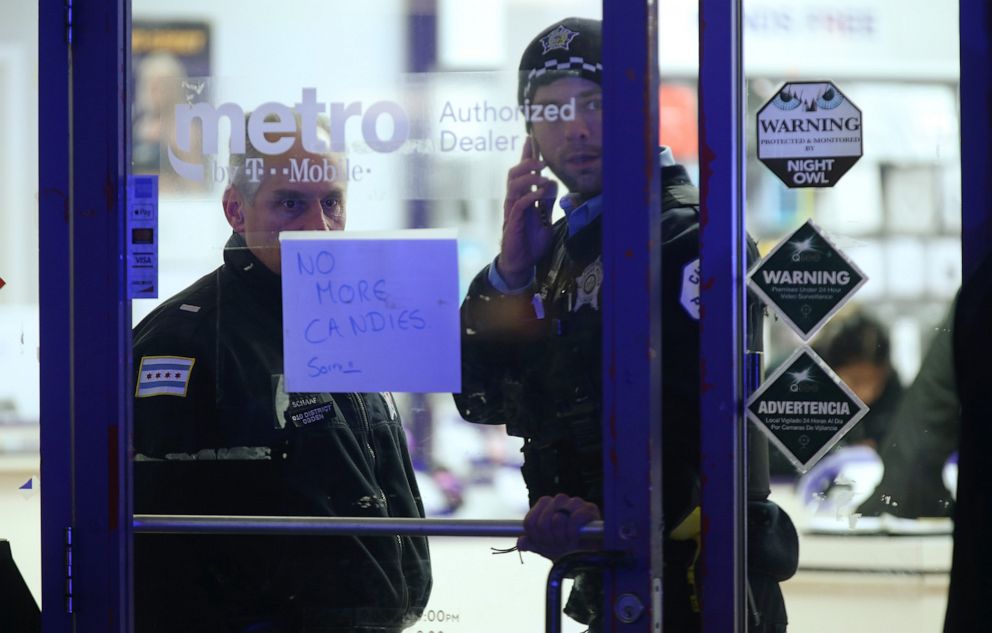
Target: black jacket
535	366
235	443
968	605
541	376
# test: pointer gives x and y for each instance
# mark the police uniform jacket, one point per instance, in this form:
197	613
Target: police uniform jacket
532	361
216	433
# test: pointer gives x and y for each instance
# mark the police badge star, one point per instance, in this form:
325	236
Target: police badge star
588	285
560	38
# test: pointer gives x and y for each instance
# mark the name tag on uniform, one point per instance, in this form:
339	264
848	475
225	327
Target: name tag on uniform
163	376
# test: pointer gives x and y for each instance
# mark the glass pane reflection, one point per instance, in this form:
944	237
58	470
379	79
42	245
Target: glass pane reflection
414	150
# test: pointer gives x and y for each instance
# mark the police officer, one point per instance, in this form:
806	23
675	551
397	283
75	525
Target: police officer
217	433
532	325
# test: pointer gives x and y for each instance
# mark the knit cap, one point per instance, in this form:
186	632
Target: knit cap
569	48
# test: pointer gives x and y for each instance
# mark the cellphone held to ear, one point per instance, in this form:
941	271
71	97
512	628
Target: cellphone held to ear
543	207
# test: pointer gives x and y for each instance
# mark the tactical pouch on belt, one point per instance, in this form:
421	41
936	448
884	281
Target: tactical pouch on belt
582	421
540	469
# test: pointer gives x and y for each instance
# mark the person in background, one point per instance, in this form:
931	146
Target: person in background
856	346
922	434
914	430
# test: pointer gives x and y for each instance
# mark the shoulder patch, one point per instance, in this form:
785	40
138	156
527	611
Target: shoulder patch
163	376
689	296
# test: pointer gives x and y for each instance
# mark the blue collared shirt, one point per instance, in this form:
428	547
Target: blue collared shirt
578	217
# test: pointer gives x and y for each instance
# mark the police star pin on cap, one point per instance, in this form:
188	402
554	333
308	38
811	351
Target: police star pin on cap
561	37
568	48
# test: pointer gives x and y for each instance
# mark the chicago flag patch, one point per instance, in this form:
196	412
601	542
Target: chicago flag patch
163	376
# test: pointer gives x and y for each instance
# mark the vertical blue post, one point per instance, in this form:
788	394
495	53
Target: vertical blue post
86	316
54	291
722	313
421	56
101	314
631	308
976	133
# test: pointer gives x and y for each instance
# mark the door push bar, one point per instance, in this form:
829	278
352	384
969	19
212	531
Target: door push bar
205	524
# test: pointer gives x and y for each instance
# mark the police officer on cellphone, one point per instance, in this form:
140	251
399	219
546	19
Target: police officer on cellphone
531	337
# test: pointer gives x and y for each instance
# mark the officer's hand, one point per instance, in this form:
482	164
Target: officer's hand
526	218
552	525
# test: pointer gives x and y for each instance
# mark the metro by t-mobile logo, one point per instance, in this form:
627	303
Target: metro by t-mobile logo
277	118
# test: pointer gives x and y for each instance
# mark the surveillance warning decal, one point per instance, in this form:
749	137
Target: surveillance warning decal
809	134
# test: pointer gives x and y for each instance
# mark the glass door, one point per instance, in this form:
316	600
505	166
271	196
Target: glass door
319	383
279	211
853	166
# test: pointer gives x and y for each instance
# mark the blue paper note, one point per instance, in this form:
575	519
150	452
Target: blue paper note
371	311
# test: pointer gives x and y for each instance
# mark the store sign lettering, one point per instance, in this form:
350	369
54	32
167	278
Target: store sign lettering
276	118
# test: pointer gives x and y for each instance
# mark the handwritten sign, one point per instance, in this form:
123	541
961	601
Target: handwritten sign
373	311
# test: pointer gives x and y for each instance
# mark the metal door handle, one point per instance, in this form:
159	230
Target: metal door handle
565	566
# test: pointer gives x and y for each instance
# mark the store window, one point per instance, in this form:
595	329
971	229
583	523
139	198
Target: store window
20	485
874	513
428	116
422	117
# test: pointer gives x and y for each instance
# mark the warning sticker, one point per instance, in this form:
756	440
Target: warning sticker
809	134
806	279
805	409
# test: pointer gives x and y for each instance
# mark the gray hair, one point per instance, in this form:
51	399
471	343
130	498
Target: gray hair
239	177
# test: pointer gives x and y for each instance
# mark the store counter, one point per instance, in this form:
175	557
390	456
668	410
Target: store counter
865	574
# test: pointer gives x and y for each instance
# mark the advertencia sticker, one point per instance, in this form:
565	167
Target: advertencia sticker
809	134
805	409
806	279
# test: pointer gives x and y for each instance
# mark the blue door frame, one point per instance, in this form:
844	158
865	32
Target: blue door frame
976	133
722	263
85	316
631	263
